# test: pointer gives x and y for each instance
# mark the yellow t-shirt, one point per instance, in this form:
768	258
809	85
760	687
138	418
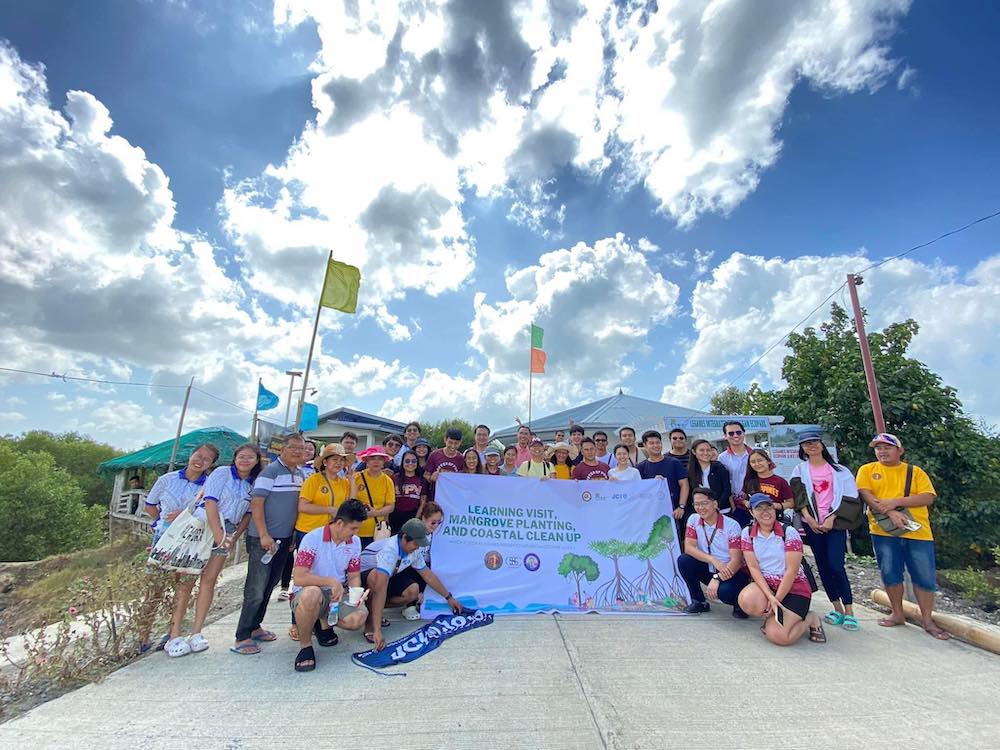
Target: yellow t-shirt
889	481
315	490
562	471
383	493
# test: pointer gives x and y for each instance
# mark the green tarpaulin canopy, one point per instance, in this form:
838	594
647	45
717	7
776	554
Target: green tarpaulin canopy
157	457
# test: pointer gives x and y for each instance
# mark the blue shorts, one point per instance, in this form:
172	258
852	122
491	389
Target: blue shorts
916	555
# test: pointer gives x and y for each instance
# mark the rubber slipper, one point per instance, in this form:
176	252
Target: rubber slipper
850	623
198	643
411	613
817	634
370	637
245	649
834	618
385	623
326	638
305	655
265	636
177	647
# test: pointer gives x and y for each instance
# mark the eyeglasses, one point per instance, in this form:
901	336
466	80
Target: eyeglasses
392	444
735	433
678	437
703	503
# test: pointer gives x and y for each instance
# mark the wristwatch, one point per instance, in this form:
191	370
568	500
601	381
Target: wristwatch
716	576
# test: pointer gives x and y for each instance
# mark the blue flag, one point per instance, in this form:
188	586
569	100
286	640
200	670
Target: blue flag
265	399
310	417
421	641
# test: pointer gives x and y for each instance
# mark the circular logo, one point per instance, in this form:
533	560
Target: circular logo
532	562
876	476
324	490
492	560
587	497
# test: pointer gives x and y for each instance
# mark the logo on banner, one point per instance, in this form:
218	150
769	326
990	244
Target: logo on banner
513	561
532	562
587	497
493	560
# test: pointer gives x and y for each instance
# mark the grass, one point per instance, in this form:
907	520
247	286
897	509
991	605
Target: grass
44	586
979	586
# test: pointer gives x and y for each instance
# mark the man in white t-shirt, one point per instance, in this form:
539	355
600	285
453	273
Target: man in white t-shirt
327	558
388	567
713	554
735	460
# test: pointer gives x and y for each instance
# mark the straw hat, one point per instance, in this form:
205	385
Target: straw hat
330	449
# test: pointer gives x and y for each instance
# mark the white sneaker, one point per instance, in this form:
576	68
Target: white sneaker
283	595
177	647
198	643
411	613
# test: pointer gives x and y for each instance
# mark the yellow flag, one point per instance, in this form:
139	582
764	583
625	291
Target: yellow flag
340	289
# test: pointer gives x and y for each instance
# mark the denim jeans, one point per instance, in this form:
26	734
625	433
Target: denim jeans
916	555
260	582
696	572
830	549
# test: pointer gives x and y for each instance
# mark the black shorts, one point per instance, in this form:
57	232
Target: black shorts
797	603
397	583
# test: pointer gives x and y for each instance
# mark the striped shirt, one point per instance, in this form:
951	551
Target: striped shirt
280	487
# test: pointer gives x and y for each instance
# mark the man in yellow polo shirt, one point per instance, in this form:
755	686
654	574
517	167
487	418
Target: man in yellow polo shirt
882	485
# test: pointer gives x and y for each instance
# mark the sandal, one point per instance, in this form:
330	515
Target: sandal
326	638
283	595
245	649
198	643
305	660
264	636
834	618
411	613
177	647
370	637
385	623
851	623
817	634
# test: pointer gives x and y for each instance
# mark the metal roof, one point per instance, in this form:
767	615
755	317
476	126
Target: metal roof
346	415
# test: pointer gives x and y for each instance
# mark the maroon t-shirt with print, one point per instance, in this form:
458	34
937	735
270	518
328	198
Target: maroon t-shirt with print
597	471
408	492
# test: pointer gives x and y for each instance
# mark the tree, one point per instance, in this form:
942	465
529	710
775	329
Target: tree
754	400
580	567
826	385
42	508
78	455
655	585
618	589
435	432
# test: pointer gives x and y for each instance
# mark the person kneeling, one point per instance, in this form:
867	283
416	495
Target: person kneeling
780	591
327	558
384	570
712	555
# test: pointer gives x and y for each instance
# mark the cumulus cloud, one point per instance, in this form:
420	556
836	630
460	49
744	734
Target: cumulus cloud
749	301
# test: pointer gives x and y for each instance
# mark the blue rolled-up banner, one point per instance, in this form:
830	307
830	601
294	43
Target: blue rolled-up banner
421	641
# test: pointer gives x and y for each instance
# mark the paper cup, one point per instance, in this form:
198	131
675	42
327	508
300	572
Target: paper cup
354	595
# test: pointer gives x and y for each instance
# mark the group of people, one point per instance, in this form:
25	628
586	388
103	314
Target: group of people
347	533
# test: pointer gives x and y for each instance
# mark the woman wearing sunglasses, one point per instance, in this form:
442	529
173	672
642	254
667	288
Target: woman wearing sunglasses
411	492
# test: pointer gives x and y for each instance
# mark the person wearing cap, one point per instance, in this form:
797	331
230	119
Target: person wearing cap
589	467
562	468
779	591
820	484
491	457
383	571
327	563
910	543
422	447
536	466
713	554
321	494
374	487
411	492
444	460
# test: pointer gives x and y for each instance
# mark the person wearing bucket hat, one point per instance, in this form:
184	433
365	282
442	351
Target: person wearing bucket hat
492	458
898	496
422	447
374	487
779	590
385	566
820	486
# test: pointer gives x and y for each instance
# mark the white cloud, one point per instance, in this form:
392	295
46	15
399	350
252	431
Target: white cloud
11	416
748	302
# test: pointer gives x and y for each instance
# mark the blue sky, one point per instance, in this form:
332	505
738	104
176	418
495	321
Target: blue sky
881	135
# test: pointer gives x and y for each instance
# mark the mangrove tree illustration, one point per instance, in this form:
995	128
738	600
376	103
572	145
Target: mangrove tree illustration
580	567
652	583
619	589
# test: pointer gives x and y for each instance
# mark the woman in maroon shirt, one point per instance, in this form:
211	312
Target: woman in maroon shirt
761	478
411	492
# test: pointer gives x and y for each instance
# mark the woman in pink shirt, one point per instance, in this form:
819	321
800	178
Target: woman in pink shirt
825	483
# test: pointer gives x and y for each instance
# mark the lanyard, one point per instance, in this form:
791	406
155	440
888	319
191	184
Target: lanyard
709	539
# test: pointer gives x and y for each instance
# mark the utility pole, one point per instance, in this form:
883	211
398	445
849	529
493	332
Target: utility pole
291	388
180	427
853	281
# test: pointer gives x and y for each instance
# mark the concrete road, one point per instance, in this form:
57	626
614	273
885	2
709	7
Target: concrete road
592	682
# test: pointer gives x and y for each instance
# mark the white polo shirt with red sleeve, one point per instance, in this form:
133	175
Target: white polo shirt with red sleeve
324	557
770	553
716	540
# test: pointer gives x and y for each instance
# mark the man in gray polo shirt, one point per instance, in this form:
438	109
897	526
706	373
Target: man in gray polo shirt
274	506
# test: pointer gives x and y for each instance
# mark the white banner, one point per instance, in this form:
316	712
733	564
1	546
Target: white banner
513	545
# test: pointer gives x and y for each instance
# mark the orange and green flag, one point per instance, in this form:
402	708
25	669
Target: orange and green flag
537	355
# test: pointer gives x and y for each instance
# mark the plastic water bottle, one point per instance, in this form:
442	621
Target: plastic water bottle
334	614
268	556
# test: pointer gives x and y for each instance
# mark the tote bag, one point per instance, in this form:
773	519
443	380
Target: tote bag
185	546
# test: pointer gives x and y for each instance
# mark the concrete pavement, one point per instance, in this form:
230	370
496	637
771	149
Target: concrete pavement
592	682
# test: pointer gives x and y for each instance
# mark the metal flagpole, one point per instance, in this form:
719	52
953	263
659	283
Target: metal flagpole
312	344
866	355
530	373
253	422
180	426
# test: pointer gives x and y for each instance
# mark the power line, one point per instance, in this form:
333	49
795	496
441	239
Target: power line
769	349
65	378
219	398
